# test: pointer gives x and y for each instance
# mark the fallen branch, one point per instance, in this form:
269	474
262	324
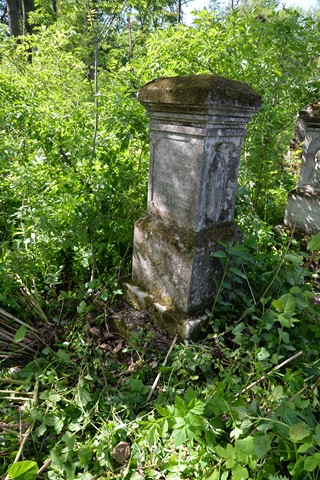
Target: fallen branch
11	381
28	431
306	387
14	392
296	355
155	383
46	464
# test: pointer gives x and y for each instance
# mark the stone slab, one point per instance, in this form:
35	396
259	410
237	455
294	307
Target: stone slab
185	326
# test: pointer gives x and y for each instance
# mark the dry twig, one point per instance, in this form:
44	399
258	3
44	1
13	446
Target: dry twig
277	367
155	383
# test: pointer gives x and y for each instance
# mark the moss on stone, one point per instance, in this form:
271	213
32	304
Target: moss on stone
199	90
186	238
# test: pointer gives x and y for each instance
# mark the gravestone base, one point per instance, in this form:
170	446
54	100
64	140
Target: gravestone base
303	210
167	318
174	272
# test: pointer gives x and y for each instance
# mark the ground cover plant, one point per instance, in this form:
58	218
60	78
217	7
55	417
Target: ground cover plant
78	400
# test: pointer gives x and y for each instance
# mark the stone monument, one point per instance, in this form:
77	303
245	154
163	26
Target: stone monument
197	124
303	205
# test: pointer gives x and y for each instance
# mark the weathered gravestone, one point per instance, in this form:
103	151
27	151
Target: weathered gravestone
197	126
303	206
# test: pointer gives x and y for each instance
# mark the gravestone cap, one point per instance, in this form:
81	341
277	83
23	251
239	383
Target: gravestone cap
310	114
198	90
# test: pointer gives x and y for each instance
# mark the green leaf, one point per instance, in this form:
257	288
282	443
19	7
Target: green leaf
238	272
277	392
219	254
210	439
179	435
236	432
284	320
239	473
245	445
318	433
314	244
214	475
189	395
295	290
289	303
165	428
277	305
239	328
285	304
305	446
263	354
262	445
312	462
221	452
137	476
299	431
136	384
196	406
24	470
83	396
20	334
179	404
283	335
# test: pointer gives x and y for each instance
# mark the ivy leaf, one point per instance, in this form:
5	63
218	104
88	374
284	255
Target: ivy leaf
299	431
24	470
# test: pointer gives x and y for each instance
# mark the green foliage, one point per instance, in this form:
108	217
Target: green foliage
277	58
242	404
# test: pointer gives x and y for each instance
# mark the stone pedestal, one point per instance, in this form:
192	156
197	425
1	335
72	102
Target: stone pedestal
197	124
303	206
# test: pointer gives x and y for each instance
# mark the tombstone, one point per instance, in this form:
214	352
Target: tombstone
303	205
197	124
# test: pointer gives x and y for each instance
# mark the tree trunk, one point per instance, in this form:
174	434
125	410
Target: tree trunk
27	7
129	36
179	12
13	17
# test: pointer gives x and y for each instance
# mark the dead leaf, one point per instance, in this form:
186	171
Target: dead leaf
153	364
121	452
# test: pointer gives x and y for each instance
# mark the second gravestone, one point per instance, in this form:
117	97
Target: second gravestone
303	205
197	124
